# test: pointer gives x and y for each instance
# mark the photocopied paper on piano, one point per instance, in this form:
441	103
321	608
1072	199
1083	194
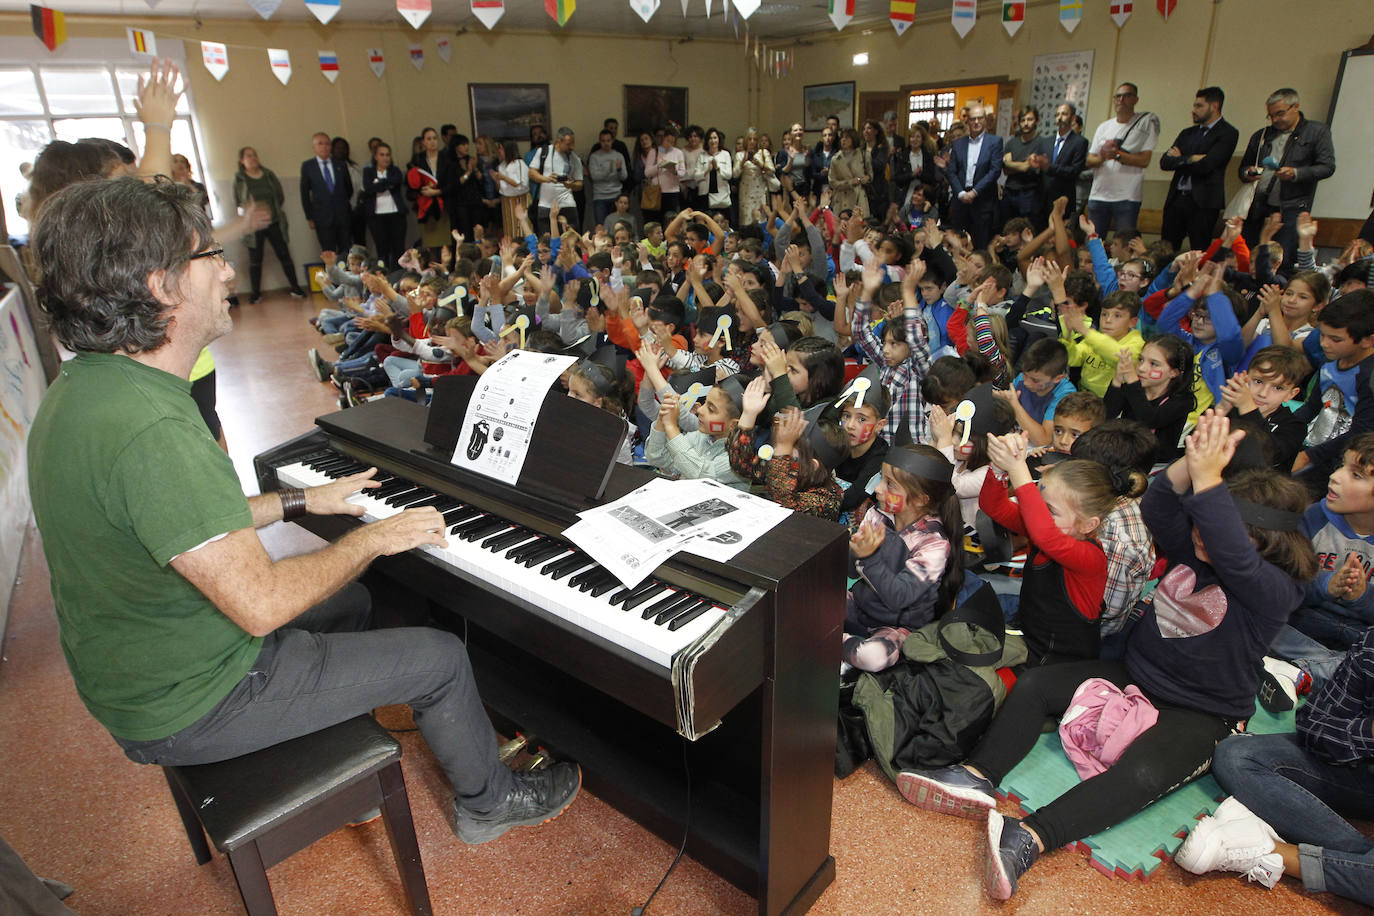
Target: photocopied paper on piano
499	424
633	535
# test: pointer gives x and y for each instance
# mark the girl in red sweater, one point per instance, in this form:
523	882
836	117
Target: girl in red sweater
1066	570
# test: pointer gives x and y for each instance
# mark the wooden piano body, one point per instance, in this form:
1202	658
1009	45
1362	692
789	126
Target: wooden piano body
760	781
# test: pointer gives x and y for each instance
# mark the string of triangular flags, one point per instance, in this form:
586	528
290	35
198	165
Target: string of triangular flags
50	27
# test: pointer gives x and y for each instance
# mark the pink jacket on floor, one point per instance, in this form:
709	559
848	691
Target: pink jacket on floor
1101	722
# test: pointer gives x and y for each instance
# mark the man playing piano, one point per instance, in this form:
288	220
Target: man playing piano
185	639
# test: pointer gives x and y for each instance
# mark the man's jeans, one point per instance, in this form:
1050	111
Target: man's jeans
1116	216
325	667
1299	795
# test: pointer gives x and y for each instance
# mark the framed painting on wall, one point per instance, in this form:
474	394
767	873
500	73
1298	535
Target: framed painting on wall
648	108
825	99
507	111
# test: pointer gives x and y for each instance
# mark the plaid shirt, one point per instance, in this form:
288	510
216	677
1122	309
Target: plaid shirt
903	381
1337	723
1130	553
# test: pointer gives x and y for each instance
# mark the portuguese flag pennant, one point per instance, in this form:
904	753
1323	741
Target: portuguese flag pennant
49	25
1013	14
560	10
901	13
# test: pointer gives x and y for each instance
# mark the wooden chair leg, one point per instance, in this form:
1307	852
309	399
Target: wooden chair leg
187	809
251	877
400	830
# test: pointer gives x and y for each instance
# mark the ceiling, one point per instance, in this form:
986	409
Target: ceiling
775	19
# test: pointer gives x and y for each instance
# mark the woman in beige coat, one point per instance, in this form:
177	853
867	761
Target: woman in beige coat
847	175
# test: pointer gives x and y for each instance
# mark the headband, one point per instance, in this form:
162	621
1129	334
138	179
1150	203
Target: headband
919	465
829	455
733	390
1266	516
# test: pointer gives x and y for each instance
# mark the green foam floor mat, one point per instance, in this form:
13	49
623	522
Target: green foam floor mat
1135	847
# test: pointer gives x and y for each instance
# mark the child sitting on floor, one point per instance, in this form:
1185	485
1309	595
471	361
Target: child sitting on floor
909	568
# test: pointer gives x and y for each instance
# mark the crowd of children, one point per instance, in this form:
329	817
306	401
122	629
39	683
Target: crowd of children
1172	454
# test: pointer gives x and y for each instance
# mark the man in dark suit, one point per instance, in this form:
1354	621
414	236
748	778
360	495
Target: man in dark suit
1287	158
1198	160
1065	157
326	190
975	161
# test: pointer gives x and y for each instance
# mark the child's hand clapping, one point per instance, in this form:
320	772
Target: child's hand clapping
1348	583
1236	393
667	415
866	540
941	426
1209	449
1008	454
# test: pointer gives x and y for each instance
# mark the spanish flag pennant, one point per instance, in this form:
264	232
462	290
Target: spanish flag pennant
1070	14
49	25
901	13
841	11
1166	8
1013	14
560	10
142	41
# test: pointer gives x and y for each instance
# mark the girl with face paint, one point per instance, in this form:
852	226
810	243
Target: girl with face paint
1157	390
970	453
908	555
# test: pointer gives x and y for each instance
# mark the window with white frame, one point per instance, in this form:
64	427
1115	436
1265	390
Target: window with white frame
927	106
41	102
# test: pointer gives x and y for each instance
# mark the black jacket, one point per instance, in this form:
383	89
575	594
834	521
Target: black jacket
1061	175
322	206
1309	151
1217	146
392	182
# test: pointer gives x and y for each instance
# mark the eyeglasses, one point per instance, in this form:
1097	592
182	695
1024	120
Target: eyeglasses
1130	275
1280	113
1124	95
216	253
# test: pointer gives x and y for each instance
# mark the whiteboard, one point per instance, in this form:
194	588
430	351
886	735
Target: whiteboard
1345	195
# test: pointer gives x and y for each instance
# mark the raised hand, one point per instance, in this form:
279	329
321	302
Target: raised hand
773	358
1271	227
1236	393
156	98
941	426
872	278
1307	229
1210	448
1086	224
788	426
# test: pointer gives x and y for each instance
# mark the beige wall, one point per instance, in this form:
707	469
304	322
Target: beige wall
1248	47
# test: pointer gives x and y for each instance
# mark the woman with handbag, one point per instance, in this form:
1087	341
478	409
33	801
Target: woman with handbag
714	169
431	177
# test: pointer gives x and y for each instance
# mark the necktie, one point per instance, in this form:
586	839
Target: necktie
1058	142
328	176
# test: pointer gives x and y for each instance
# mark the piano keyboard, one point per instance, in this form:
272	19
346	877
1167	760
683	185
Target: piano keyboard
654	620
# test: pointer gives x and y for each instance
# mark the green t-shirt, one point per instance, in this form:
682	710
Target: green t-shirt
124	477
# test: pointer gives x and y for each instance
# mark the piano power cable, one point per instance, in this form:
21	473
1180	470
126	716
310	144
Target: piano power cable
686	829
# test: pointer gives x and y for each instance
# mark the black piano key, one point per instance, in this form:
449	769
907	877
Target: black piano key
323	465
481	518
484	527
534	557
591	572
679	609
417	497
500	542
518	553
446	503
597	578
635	601
432	499
561	568
398	485
632	592
658	607
604	586
459	515
688	616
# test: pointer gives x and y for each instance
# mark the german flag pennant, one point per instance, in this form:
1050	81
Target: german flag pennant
49	25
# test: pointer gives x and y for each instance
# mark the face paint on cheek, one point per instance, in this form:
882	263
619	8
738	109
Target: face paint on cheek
893	502
715	427
1155	375
864	431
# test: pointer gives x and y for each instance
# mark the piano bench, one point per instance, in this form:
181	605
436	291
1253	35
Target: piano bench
260	808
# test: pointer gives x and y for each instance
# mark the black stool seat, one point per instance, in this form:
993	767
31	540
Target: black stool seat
262	807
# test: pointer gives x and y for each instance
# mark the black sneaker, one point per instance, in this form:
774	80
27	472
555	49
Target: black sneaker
297	294
948	790
534	799
317	364
1011	853
254	299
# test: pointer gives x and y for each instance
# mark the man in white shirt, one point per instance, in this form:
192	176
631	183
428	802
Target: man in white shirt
669	168
975	162
1120	152
558	172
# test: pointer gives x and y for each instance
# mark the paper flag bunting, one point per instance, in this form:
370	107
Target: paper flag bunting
1166	7
49	25
746	8
280	59
1070	14
142	41
901	13
329	65
377	61
841	11
152	4
560	10
324	10
964	16
645	8
488	11
216	58
1013	14
264	8
708	8
414	11
417	56
445	49
1121	11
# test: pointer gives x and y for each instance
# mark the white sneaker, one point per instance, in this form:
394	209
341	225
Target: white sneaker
1233	839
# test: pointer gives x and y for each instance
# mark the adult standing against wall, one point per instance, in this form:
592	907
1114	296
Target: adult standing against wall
975	161
384	204
1066	156
1198	160
1022	161
256	185
1287	159
326	192
1121	150
557	171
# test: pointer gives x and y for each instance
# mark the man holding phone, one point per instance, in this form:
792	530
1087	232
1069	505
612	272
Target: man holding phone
1287	158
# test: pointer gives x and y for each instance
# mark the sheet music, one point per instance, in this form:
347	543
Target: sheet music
499	424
